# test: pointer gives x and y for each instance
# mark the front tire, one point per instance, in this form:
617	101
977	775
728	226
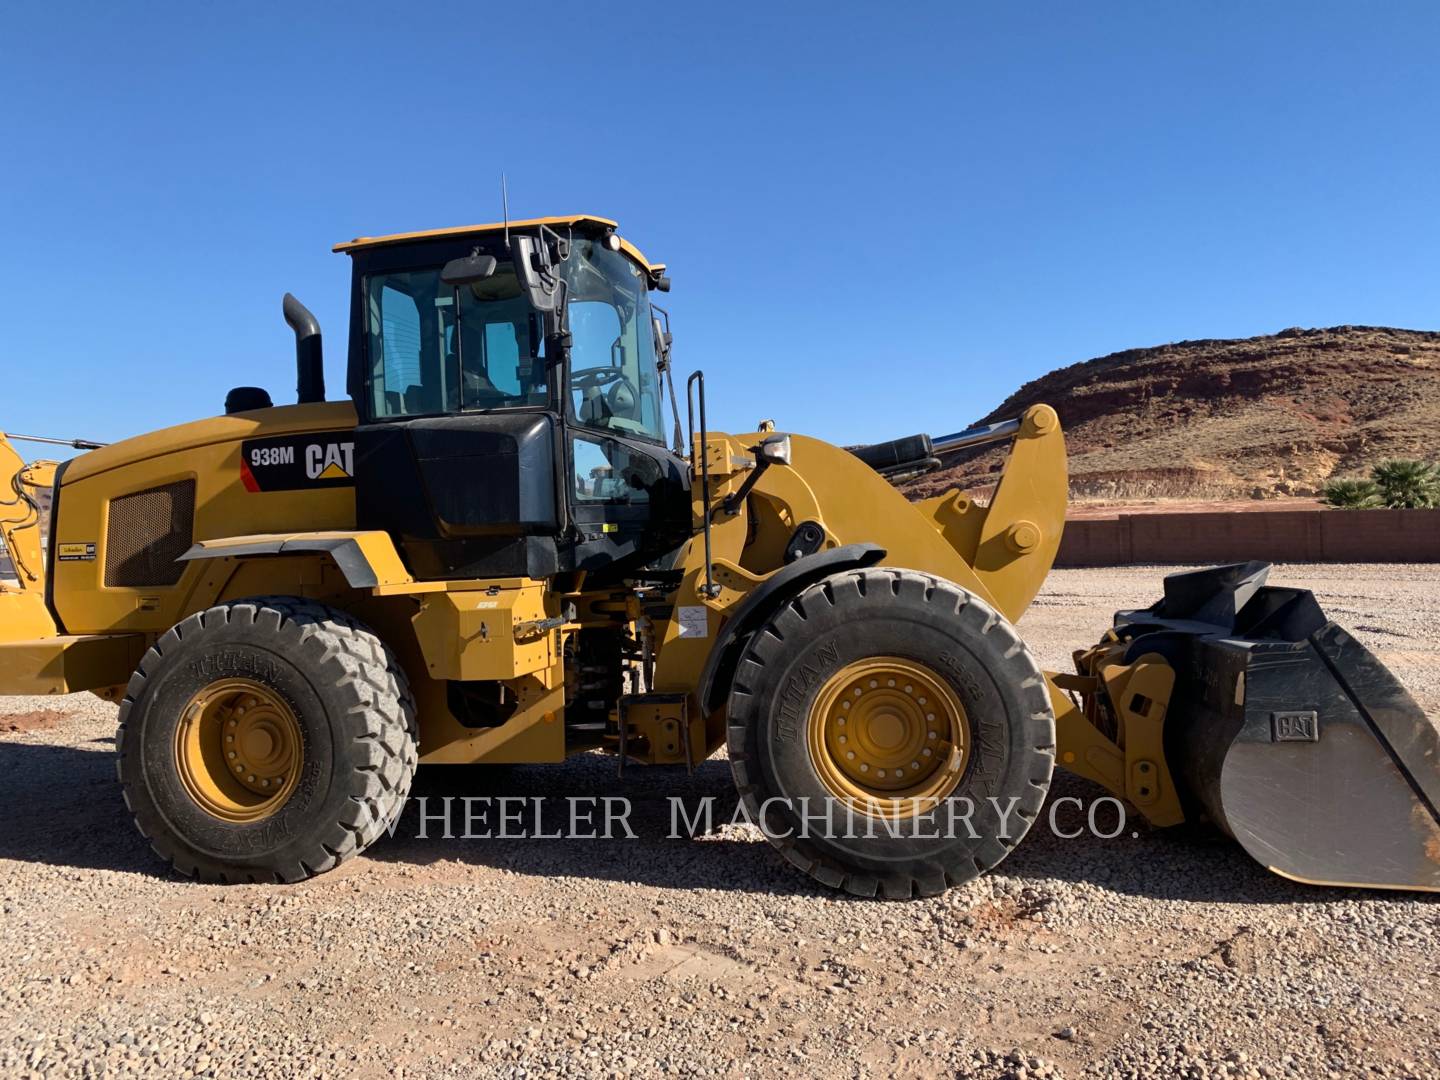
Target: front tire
890	733
266	740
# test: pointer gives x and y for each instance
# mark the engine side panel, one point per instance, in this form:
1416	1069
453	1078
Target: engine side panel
285	469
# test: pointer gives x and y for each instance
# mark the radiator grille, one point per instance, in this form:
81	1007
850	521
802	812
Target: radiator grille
147	532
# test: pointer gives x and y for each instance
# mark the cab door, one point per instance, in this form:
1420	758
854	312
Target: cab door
629	501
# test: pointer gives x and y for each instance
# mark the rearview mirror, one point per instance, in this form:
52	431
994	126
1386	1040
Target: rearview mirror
536	273
467	271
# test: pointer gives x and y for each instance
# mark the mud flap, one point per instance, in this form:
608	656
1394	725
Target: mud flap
1291	735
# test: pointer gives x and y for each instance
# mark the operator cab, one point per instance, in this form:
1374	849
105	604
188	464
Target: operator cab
508	384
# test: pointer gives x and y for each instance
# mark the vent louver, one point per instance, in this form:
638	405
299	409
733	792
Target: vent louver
146	533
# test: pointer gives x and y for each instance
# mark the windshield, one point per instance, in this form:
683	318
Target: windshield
419	363
614	378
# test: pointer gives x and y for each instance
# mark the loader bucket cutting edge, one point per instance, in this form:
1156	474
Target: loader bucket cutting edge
1293	737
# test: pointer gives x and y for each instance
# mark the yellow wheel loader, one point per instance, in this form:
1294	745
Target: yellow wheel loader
497	551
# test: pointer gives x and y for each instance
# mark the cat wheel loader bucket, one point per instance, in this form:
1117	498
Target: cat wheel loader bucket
1291	735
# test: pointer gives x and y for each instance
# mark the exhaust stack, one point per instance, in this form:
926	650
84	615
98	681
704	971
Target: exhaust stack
309	358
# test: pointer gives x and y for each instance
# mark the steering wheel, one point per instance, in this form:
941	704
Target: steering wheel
595	377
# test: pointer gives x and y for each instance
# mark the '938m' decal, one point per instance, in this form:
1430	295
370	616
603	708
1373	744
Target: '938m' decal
297	462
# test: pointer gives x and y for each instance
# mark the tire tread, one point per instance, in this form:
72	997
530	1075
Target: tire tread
745	710
381	707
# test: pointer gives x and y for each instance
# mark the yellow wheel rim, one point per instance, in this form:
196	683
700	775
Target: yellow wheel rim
238	750
889	737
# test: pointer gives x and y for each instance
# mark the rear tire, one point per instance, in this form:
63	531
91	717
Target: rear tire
329	714
924	663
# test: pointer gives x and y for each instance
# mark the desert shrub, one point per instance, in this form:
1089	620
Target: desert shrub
1353	494
1406	484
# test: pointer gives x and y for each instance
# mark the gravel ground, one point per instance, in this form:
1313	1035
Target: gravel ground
1155	954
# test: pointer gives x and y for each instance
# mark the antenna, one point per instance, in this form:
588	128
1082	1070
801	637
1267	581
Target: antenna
505	208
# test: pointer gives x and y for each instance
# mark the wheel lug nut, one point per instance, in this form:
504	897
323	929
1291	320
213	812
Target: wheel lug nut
232	754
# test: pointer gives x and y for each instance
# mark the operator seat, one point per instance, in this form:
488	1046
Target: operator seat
619	400
480	392
594	409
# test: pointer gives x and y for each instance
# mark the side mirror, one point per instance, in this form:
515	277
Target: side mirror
663	340
467	271
536	273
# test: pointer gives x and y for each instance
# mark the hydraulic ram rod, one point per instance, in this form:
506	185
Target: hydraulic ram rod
78	444
921	451
975	436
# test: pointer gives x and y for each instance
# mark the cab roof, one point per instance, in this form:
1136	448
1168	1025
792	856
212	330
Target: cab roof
363	242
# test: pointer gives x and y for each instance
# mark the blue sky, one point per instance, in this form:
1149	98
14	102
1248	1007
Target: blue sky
880	218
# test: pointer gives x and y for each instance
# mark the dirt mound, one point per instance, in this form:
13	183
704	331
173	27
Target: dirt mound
38	720
1258	417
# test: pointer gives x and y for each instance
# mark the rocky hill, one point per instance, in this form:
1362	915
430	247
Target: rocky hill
1258	417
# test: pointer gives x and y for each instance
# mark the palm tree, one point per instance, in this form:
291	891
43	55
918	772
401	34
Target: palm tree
1353	494
1406	484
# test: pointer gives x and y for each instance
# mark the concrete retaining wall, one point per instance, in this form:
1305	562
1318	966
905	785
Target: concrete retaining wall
1272	536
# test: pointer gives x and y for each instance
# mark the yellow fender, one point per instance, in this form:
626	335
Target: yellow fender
1001	551
367	558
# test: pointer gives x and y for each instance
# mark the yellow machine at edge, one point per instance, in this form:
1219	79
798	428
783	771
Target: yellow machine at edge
507	547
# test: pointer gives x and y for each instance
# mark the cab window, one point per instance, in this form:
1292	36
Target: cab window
409	328
433	349
614	372
609	472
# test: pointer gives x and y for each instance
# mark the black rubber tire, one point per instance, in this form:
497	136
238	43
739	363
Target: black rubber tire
357	722
859	614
